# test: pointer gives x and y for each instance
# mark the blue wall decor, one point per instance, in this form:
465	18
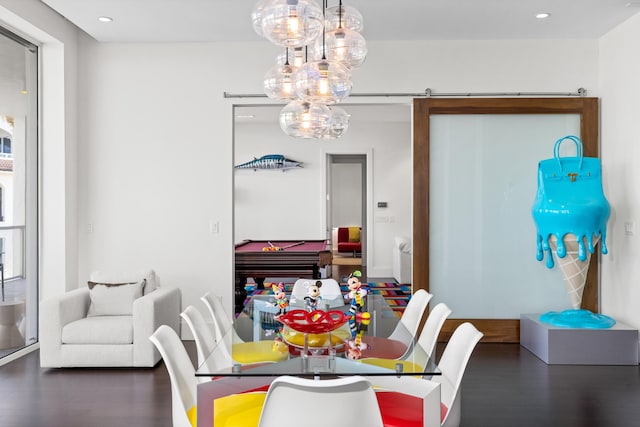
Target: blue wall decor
270	161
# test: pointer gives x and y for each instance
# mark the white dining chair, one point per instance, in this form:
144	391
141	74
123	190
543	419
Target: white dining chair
398	410
240	351
204	336
234	410
181	374
293	402
432	327
407	400
407	328
221	320
330	289
452	364
422	350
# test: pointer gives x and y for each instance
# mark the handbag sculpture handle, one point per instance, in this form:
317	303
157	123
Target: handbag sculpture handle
577	141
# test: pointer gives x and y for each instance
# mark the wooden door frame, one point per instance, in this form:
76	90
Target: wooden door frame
495	330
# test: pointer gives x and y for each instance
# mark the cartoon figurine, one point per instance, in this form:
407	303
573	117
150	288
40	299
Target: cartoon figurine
357	331
313	296
353	353
356	292
278	344
281	299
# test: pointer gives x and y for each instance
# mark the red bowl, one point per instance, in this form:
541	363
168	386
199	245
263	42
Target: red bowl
315	322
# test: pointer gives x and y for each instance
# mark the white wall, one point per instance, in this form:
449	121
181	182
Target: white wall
619	66
479	66
347	192
271	204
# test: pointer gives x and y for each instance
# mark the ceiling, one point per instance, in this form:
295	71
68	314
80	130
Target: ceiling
162	21
228	20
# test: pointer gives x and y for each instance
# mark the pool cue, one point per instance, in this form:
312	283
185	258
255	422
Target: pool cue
292	245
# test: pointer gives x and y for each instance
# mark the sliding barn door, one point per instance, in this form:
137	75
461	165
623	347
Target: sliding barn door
475	179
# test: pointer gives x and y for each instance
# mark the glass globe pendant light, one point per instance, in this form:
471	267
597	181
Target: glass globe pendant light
343	17
313	74
338	124
346	46
343	41
325	82
292	23
303	119
278	82
256	16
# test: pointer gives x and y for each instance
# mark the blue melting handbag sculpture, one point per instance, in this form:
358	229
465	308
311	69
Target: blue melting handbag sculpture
570	200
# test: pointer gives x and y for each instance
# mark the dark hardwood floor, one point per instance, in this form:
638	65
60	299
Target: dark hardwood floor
504	385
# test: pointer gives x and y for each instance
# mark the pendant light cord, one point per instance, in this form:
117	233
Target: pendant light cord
324	8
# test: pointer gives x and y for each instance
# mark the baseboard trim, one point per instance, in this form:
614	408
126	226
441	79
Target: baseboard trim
18	354
494	330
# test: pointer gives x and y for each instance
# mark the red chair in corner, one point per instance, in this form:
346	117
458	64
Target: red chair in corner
349	240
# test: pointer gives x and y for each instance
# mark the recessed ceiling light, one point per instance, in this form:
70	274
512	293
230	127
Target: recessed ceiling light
543	15
245	116
105	19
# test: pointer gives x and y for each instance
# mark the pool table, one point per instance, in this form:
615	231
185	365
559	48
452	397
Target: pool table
296	258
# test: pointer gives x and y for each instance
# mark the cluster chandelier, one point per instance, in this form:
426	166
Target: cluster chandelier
322	45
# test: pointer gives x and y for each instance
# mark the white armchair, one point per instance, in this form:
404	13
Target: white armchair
108	325
402	260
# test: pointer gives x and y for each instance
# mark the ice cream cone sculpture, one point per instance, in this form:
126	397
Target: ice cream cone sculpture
571	214
574	271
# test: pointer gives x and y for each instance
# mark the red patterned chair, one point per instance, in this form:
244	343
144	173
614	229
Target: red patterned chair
349	240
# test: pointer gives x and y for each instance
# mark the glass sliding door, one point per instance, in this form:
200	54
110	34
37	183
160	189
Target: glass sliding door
18	193
474	181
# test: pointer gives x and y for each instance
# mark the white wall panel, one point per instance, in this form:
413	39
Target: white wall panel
483	180
620	87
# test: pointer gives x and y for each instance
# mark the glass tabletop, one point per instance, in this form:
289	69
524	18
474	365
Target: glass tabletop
331	341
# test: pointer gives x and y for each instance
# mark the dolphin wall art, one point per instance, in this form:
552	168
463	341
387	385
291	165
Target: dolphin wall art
270	161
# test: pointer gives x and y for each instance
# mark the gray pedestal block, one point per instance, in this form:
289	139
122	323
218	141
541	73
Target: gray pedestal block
577	346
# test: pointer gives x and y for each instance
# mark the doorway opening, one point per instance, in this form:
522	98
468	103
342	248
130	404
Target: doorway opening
347	207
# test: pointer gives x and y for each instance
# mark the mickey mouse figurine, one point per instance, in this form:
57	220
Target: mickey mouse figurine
281	298
313	296
356	292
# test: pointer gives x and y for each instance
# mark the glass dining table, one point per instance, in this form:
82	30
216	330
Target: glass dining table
265	343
